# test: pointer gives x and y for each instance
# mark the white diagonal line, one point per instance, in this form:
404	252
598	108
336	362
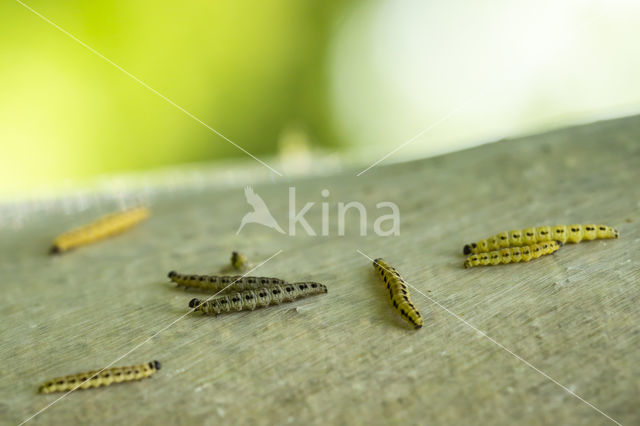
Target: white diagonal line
147	86
501	346
426	129
145	341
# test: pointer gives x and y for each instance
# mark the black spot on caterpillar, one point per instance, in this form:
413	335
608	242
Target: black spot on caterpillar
102	228
220	282
249	300
512	254
398	292
528	236
106	377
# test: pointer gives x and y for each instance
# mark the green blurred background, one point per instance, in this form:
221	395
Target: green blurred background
349	77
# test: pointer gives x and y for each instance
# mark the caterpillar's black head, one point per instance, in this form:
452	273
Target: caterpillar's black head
172	274
155	364
194	303
466	249
54	250
46	388
560	244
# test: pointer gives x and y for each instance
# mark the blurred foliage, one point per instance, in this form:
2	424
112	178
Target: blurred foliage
291	77
247	69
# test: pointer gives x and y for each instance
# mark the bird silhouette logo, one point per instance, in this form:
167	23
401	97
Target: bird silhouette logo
260	213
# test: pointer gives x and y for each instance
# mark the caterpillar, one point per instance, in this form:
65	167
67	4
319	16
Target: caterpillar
512	254
104	227
398	293
528	236
238	261
97	378
249	300
223	282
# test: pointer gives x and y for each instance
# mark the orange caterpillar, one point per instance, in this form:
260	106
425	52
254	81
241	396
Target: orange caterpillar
102	228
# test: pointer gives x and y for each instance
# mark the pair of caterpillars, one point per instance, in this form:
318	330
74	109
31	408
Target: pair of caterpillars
242	293
530	243
95	231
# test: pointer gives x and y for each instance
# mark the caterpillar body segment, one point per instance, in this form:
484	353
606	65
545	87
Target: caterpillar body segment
97	378
529	236
249	300
399	295
223	282
512	254
100	229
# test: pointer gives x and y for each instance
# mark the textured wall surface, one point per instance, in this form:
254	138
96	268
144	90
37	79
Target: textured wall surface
346	356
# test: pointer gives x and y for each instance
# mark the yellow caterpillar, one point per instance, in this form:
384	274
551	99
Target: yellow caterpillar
249	300
238	261
97	378
102	228
223	282
528	236
398	293
512	254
